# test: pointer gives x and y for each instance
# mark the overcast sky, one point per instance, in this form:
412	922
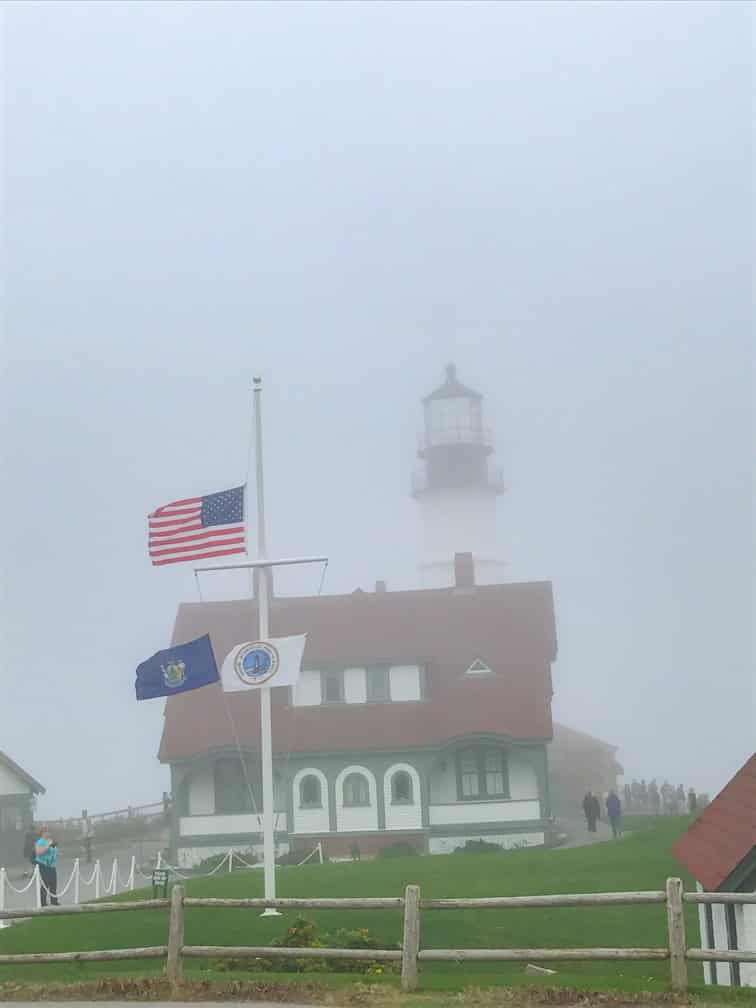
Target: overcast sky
343	197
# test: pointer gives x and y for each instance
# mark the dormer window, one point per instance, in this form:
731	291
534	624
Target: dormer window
479	668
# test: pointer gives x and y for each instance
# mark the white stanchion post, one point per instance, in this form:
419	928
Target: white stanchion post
159	863
77	883
38	886
97	879
2	893
231	860
131	883
112	886
320	850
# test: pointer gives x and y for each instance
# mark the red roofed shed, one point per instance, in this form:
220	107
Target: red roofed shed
719	850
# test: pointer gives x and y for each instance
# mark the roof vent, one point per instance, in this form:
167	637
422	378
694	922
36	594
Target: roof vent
380	587
480	668
464	570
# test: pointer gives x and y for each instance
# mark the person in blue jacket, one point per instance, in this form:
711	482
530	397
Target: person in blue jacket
614	812
46	851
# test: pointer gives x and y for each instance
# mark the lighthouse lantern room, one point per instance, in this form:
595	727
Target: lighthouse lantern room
456	487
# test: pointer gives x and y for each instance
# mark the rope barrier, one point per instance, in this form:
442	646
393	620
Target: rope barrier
25	888
114	883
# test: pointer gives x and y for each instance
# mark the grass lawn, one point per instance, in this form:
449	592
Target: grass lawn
640	861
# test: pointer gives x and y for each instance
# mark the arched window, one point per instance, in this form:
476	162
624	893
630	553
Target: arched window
401	788
309	792
356	789
231	790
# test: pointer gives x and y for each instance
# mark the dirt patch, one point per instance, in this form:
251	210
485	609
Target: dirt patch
357	995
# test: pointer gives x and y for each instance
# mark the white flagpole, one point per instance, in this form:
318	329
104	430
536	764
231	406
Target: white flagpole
266	743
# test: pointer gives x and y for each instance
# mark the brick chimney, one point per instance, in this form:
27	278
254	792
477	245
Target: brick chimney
464	570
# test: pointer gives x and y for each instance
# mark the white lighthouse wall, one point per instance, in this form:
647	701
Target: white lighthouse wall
458	521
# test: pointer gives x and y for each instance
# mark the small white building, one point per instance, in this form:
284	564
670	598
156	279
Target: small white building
719	850
17	792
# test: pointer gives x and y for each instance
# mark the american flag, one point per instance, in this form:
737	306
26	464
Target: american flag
198	528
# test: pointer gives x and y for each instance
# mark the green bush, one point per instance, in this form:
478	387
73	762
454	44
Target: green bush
479	847
304	934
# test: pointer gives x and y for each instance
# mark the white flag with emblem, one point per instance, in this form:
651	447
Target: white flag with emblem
274	662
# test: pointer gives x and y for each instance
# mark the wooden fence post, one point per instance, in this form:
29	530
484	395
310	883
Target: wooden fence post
410	937
676	929
173	966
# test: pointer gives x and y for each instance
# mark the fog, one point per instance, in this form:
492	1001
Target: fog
343	198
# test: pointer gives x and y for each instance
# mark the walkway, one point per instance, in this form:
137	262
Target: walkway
145	852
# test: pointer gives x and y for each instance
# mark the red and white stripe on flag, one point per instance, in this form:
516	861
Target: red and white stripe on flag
197	528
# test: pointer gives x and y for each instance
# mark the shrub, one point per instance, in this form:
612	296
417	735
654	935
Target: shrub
304	934
479	847
402	848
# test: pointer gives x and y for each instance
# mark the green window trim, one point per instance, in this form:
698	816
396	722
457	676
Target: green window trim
310	792
232	795
332	678
402	788
482	774
356	791
378	684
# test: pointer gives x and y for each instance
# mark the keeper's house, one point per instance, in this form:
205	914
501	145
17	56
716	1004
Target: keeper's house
719	850
17	793
420	716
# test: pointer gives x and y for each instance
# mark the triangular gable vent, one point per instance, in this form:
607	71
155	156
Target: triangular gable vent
479	667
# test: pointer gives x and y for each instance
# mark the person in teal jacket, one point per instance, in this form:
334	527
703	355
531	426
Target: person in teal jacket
46	851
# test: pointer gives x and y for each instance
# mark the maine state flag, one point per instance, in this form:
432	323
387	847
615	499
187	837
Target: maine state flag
177	669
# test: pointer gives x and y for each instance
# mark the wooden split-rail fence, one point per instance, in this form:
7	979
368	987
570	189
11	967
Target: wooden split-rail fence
410	955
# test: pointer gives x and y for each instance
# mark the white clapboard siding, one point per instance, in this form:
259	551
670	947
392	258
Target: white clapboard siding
461	813
308	819
403	816
360	818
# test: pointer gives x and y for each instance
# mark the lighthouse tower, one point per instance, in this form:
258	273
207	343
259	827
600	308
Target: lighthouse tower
456	488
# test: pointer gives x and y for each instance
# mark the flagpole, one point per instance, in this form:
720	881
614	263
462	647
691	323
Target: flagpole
266	743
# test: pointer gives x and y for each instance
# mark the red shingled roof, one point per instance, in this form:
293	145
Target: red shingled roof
724	834
510	627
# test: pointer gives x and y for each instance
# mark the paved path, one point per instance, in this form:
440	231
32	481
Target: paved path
578	835
145	851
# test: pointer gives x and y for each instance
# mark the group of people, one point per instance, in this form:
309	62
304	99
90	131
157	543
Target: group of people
653	799
592	812
42	852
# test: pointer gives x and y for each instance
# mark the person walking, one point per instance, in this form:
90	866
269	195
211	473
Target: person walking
87	835
614	812
47	859
591	810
